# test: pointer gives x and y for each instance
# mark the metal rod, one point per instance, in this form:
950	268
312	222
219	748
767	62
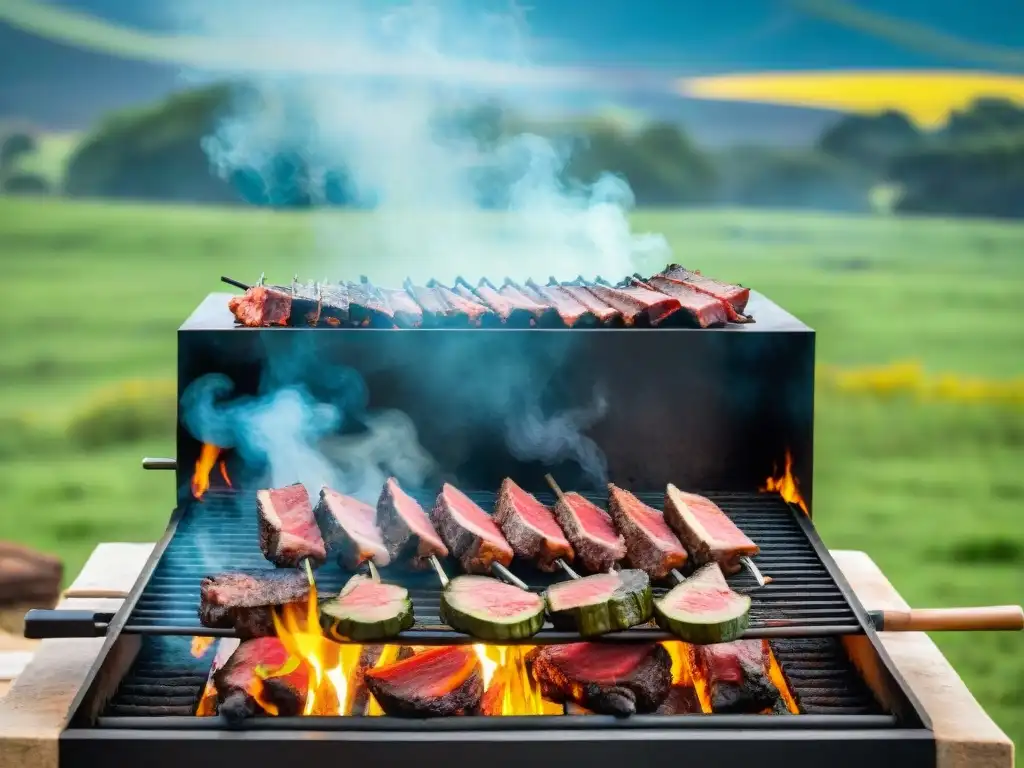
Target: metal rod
678	576
565	567
151	463
236	283
439	570
754	571
373	571
510	577
554	487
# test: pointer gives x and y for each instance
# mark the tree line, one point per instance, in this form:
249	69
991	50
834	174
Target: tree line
972	165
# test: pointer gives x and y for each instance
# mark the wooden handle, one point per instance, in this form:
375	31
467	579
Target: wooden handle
995	617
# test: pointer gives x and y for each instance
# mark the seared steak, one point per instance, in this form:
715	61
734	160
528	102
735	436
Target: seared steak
439	682
589	529
288	529
469	533
407	531
530	528
650	543
243	693
349	529
705	530
737	676
245	600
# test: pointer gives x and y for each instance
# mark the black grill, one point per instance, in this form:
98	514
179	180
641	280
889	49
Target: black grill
220	533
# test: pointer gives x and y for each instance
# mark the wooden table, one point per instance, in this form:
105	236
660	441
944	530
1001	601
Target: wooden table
36	709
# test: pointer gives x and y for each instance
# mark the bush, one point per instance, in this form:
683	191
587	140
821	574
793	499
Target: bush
125	413
25	184
12	148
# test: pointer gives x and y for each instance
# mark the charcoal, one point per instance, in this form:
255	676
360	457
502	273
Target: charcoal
605	678
288	530
408	533
243	693
440	682
244	601
469	533
650	543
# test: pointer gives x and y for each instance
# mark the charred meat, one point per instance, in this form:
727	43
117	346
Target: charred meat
705	530
530	528
477	314
508	308
349	530
606	678
736	295
439	682
737	676
638	306
288	529
705	311
589	529
573	313
408	533
367	308
650	543
469	533
262	306
246	685
245	600
604	312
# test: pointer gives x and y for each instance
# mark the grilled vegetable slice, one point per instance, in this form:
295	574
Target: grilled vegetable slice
490	609
366	610
604	602
703	609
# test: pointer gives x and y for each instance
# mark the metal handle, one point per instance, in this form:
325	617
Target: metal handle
43	624
989	618
150	463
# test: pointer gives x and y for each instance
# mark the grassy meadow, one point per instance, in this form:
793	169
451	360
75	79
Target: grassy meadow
922	472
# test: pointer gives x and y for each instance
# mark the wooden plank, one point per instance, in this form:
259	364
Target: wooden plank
37	706
966	736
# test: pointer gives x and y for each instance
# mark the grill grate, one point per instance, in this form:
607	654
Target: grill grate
220	534
166	681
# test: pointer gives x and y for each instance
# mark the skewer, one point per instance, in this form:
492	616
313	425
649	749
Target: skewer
759	577
235	283
439	570
373	571
560	562
508	576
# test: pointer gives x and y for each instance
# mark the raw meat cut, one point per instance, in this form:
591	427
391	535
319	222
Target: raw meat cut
469	533
367	610
650	543
703	609
604	602
606	678
589	530
406	529
736	295
490	609
288	529
530	527
439	682
705	530
242	691
349	529
245	600
705	310
737	676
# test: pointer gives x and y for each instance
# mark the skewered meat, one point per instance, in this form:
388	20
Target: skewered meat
261	306
705	530
436	311
604	602
573	313
604	312
589	529
650	543
544	314
530	528
439	682
367	308
245	600
288	529
476	313
508	308
349	529
607	678
405	311
469	532
705	310
638	306
737	676
242	692
736	295
366	610
490	609
406	528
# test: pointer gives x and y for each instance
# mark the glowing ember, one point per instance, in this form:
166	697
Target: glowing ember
204	465
508	687
224	473
200	645
786	485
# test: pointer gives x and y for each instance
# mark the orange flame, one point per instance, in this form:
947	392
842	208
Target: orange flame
508	687
224	473
204	465
786	485
200	645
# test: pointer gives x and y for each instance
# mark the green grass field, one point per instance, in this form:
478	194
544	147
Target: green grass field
933	491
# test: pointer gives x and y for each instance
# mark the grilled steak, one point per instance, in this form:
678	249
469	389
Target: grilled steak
407	531
369	657
604	312
242	693
367	308
681	700
737	676
508	308
477	314
262	306
544	314
607	678
349	530
589	529
736	295
469	532
439	682
288	529
705	531
704	310
245	600
436	310
639	306
650	543
573	313
530	528
405	311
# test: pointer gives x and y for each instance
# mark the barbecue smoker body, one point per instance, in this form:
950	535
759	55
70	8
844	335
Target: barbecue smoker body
710	409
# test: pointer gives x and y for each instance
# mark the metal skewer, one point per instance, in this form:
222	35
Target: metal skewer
559	561
373	571
759	577
439	570
508	576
